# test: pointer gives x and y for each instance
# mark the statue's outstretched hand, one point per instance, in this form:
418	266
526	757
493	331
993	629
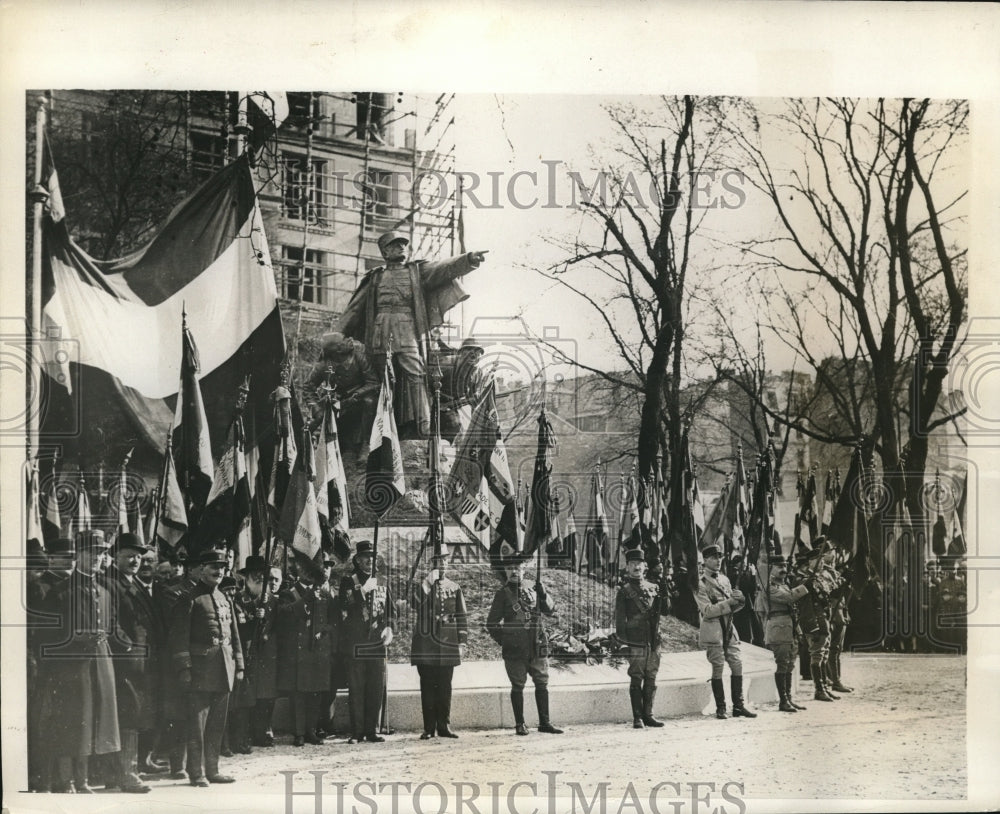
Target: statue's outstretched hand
478	257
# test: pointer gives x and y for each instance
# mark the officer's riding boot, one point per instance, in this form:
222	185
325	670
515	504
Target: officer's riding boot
837	684
542	702
784	704
517	703
827	683
817	672
648	696
739	711
635	695
719	691
788	692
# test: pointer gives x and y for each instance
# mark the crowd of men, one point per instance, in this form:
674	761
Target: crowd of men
140	669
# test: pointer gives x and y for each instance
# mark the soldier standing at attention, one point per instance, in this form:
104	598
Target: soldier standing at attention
779	629
515	623
441	629
717	602
367	633
637	624
208	659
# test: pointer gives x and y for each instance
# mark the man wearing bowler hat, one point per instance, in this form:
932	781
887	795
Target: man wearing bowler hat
637	624
61	556
80	713
137	660
717	602
440	631
369	614
207	656
397	305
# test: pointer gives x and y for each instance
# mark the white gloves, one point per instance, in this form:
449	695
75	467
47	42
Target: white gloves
370	585
387	636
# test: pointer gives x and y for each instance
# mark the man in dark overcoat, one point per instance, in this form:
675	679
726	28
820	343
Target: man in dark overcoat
440	631
173	725
137	668
80	713
305	647
207	656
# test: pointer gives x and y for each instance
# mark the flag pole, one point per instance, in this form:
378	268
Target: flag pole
39	195
163	490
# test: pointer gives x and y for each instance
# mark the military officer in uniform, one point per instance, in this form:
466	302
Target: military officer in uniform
515	623
398	304
369	614
717	602
305	645
440	631
80	715
637	625
821	580
779	628
137	671
207	656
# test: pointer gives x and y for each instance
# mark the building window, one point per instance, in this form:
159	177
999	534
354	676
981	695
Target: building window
208	153
299	112
301	192
210	104
303	282
381	200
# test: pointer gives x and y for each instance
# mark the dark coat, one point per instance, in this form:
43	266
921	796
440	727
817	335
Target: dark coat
515	622
260	649
442	625
205	640
137	673
165	598
364	617
306	639
80	713
637	613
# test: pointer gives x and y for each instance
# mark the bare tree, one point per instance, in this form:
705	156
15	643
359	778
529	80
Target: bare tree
643	254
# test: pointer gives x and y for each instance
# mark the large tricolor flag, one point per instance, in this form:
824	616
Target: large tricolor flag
118	322
480	476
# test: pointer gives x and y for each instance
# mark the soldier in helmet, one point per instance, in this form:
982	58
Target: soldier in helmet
637	623
397	305
355	386
717	602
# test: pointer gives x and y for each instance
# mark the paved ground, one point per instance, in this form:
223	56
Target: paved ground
900	736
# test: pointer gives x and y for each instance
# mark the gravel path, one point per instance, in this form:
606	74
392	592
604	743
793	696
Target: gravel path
899	736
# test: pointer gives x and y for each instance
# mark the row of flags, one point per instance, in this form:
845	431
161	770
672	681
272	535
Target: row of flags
164	341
